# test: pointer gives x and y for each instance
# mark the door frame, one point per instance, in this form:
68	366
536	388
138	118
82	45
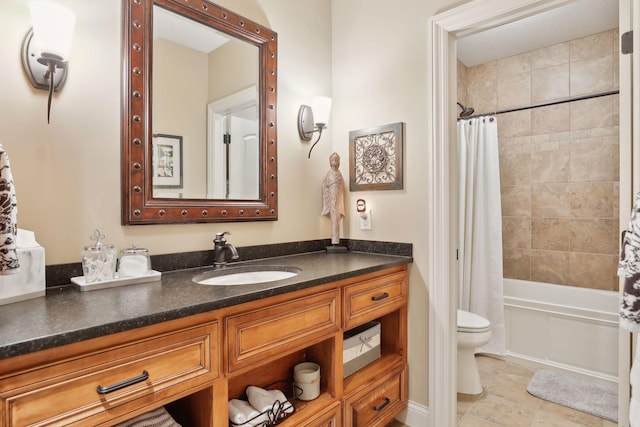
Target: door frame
443	30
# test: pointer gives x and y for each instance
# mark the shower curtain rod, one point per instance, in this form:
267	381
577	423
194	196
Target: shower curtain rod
547	103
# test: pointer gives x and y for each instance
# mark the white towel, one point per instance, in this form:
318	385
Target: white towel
264	400
8	218
242	414
629	268
156	418
634	404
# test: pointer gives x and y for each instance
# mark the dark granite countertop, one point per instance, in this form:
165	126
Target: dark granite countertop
67	315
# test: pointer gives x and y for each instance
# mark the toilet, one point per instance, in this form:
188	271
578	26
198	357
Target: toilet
473	331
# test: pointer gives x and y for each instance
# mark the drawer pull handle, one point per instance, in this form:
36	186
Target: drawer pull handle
380	297
122	384
381	406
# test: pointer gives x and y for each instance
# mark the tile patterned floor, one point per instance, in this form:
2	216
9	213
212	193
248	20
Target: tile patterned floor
506	403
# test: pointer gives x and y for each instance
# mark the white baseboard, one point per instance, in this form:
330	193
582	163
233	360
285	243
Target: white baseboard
416	415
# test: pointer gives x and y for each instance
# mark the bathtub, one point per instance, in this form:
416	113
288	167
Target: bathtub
562	328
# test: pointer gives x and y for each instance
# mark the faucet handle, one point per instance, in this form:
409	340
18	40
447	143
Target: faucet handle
220	237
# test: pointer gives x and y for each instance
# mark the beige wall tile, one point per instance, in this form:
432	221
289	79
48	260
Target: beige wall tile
593	235
550	83
481	92
516	263
514	124
593	164
516	64
514	90
554	118
550	234
552	55
592	46
516	232
516	200
461	70
594	271
550	200
591	200
550	166
550	267
591	75
592	113
559	164
515	169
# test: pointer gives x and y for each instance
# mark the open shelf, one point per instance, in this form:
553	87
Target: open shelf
278	374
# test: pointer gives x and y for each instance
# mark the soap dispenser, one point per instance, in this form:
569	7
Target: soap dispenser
99	261
134	262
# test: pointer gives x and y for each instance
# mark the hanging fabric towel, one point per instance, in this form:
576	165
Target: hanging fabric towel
8	217
629	268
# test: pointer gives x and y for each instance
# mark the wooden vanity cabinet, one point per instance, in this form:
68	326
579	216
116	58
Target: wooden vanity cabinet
112	379
194	365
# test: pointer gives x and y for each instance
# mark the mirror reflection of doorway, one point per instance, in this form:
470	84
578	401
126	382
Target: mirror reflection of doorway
233	147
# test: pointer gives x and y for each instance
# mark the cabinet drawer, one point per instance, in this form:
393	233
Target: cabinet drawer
378	404
97	387
330	418
257	335
365	301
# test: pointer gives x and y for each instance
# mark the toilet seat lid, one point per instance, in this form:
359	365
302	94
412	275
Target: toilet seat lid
471	322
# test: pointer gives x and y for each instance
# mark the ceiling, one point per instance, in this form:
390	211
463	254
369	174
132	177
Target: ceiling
574	20
184	31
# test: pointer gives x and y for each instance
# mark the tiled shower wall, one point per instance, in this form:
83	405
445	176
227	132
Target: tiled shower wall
559	165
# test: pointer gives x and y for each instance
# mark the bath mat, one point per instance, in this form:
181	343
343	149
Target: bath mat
576	393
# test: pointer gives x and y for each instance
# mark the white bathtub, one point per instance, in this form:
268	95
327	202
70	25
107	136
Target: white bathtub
563	328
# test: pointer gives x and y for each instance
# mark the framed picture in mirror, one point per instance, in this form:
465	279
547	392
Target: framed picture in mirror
167	161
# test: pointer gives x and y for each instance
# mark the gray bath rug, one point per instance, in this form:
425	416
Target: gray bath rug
576	393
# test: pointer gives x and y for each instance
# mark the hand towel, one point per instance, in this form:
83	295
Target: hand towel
634	404
264	400
629	268
242	414
156	418
8	218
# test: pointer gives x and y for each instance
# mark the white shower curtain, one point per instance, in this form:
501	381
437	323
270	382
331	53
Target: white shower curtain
480	227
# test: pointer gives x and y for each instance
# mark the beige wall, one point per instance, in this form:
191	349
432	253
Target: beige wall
379	77
558	164
67	173
180	109
369	55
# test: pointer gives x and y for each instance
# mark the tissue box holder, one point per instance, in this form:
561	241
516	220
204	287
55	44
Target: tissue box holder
361	346
29	281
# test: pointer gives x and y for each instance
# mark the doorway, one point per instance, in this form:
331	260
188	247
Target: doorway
444	29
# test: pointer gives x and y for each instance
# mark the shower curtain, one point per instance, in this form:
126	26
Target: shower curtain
480	227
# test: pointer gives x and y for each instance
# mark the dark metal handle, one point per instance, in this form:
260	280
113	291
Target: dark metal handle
380	297
122	384
381	406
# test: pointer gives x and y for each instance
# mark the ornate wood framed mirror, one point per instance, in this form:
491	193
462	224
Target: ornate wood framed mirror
202	75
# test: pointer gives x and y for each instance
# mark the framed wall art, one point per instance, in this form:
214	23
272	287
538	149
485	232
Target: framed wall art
375	158
167	161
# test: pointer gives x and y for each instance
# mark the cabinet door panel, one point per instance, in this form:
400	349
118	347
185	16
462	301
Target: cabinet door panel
257	335
377	404
75	390
371	299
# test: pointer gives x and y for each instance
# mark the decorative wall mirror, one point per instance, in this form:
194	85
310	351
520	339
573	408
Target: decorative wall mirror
199	136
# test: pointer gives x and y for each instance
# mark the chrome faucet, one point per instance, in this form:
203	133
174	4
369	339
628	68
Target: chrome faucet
220	247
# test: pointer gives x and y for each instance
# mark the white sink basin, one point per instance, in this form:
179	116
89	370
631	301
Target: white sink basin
246	275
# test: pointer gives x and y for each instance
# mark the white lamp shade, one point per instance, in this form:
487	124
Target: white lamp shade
53	26
321	106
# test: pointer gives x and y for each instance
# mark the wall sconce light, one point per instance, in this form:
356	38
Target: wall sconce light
45	50
307	125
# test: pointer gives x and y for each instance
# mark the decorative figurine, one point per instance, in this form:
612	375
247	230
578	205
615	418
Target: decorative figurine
333	201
